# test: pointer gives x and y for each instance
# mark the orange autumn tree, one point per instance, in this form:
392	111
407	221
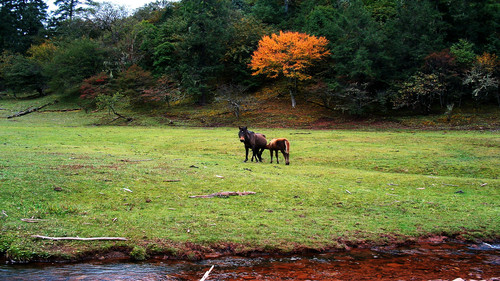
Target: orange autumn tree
289	54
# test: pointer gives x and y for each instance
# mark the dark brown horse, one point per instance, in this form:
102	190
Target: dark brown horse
257	142
282	145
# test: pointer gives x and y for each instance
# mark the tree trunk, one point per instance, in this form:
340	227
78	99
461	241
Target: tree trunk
292	98
31	110
293	90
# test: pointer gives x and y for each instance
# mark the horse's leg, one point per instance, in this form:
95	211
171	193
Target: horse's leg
260	153
255	154
277	159
246	154
271	151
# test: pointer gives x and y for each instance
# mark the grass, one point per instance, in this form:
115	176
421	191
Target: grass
342	186
350	186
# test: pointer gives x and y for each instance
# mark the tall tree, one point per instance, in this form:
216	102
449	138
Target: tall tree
201	45
69	9
21	23
356	41
477	21
416	31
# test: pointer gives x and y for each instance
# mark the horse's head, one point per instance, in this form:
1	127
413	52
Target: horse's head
243	133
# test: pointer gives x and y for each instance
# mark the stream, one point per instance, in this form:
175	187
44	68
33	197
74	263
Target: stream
418	262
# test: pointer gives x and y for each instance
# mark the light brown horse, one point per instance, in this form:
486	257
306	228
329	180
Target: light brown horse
282	145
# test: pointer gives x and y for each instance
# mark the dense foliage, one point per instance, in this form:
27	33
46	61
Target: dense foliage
288	54
382	54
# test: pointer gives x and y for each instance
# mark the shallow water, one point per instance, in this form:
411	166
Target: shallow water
422	262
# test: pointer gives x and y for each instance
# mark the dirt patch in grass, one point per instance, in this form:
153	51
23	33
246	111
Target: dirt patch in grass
75	167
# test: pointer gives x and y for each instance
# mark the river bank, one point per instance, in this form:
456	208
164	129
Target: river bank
421	261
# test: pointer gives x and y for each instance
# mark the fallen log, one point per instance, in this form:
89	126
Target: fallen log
224	194
79	238
31	110
62	110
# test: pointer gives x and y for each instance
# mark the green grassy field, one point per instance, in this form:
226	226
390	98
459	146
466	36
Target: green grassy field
341	187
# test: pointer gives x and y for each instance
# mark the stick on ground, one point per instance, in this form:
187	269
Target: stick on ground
79	238
224	194
205	276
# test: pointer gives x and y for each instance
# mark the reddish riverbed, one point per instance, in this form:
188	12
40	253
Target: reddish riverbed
422	262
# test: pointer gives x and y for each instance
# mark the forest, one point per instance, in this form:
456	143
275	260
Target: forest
368	57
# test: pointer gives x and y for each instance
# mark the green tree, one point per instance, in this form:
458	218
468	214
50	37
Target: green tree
356	43
359	50
201	45
247	31
463	51
23	75
73	62
272	12
69	9
476	20
416	31
21	23
381	10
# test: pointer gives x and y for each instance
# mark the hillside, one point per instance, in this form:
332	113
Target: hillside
263	110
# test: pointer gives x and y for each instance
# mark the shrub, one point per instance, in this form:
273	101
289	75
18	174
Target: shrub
419	92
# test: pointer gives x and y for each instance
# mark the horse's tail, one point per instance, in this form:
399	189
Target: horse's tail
287	146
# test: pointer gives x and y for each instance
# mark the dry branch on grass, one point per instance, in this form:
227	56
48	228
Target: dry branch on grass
138	160
79	238
31	110
224	194
62	110
32	220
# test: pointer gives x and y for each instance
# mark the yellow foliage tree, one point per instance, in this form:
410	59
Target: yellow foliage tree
42	53
487	62
289	54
